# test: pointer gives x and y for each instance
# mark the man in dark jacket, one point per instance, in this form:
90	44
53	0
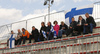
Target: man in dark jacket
80	25
73	27
43	28
90	24
34	34
63	28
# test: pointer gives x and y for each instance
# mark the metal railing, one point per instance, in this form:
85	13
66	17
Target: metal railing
88	44
59	16
27	24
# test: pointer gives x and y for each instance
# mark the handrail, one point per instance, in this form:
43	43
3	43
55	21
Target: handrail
65	39
31	18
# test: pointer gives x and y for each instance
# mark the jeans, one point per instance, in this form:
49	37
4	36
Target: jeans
88	28
50	36
30	38
16	42
60	32
80	29
24	39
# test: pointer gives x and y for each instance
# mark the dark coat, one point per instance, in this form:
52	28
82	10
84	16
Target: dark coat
90	20
73	24
66	27
82	22
41	35
48	29
35	33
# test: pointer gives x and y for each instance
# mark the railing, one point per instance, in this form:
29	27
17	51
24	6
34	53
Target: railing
73	45
59	16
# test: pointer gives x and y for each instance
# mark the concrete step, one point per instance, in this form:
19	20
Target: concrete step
75	48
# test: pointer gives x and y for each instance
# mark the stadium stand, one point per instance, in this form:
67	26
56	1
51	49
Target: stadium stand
85	44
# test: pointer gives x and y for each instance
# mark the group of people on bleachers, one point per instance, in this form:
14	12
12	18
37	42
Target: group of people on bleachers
50	32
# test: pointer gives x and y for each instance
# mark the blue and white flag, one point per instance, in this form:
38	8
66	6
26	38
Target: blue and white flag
52	30
76	12
44	34
11	42
55	36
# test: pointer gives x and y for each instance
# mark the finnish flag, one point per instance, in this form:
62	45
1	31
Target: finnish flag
76	12
44	34
52	30
11	42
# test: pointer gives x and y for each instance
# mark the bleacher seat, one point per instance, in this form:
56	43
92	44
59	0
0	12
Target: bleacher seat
84	44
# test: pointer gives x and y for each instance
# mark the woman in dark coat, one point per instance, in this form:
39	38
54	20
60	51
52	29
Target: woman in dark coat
49	32
43	28
80	25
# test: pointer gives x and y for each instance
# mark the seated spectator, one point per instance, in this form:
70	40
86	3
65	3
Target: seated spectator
49	32
63	28
34	34
80	25
90	24
12	35
25	35
18	38
56	27
72	28
43	29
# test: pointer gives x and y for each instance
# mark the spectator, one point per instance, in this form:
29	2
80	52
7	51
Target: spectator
73	27
49	32
12	35
90	24
18	38
25	34
56	27
63	28
34	34
43	28
80	25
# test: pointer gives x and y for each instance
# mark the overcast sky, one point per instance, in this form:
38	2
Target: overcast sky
14	10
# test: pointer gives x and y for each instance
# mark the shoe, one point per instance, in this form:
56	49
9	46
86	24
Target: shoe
85	33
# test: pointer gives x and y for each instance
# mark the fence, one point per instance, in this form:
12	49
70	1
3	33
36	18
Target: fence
27	24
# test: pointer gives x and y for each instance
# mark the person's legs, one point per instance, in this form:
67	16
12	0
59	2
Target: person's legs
41	38
60	34
7	42
63	32
91	27
24	39
16	42
85	29
69	31
36	39
30	38
50	36
20	40
79	28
